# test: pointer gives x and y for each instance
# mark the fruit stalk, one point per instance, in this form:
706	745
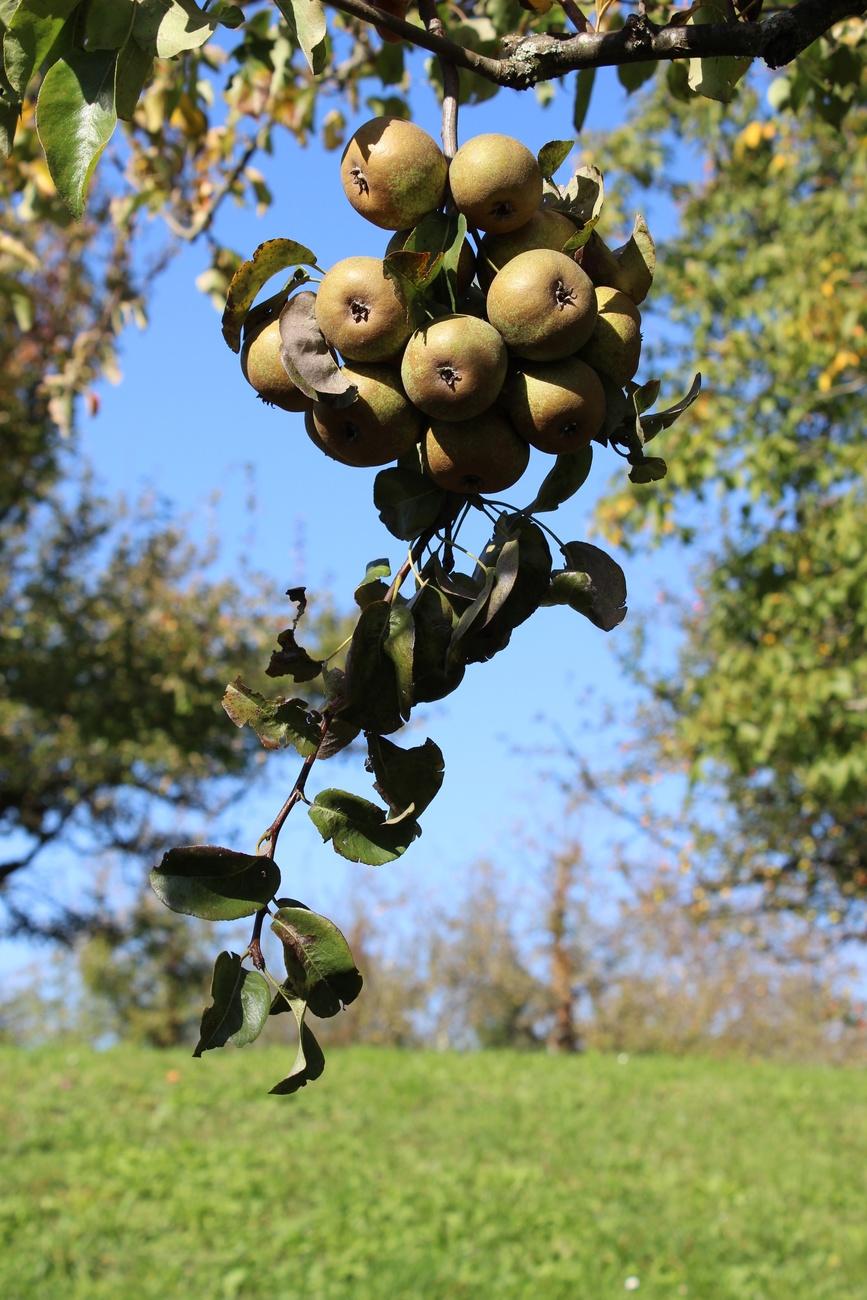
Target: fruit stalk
433	24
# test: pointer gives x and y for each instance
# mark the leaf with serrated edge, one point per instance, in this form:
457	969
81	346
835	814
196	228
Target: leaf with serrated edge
357	830
251	276
241	1001
213	883
319	964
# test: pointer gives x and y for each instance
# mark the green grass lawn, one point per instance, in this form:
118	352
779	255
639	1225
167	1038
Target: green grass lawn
423	1175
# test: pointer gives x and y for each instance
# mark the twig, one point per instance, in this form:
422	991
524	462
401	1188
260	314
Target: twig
433	23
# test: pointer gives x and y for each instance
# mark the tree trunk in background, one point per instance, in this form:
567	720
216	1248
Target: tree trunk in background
563	1036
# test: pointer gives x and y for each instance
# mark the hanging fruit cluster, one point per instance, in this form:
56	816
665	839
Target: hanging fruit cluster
457	356
458	359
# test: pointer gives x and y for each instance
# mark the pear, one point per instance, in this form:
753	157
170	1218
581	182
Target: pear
614	346
361	311
480	455
495	181
393	173
547	228
378	427
558	406
263	369
453	368
543	305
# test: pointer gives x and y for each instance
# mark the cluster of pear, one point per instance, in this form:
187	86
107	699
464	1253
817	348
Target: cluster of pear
513	357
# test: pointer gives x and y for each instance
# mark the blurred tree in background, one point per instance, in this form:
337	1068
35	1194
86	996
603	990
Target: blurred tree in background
766	707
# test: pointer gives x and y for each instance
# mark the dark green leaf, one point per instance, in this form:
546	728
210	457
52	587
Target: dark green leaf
134	67
358	829
593	584
408	502
269	258
715	78
653	424
309	1061
32	31
214	883
75	119
278	723
521	577
633	75
563	481
292	660
413	271
648	470
240	1006
109	24
319	965
373	698
307	358
371	586
406	778
398	647
433	676
583	91
552	155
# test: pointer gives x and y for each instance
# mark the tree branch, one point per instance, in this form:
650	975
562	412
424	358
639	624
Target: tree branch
526	60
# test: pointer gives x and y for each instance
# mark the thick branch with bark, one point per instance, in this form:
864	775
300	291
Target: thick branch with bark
526	60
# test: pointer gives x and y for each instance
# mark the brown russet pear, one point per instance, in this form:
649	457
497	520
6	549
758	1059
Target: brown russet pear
393	173
496	182
362	312
454	367
547	228
543	305
480	455
378	427
614	347
263	369
558	406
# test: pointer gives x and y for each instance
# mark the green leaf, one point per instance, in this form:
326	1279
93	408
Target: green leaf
715	78
653	424
269	258
358	830
373	696
412	271
406	778
408	502
633	75
307	18
636	262
134	67
433	676
109	24
583	90
521	577
319	964
593	584
240	1006
32	31
307	357
648	470
309	1060
563	481
582	200
552	155
167	28
398	647
371	586
213	883
75	119
278	723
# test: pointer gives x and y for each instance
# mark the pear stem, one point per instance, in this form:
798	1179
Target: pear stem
433	24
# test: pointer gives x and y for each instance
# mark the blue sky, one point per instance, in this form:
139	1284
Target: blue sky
184	423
